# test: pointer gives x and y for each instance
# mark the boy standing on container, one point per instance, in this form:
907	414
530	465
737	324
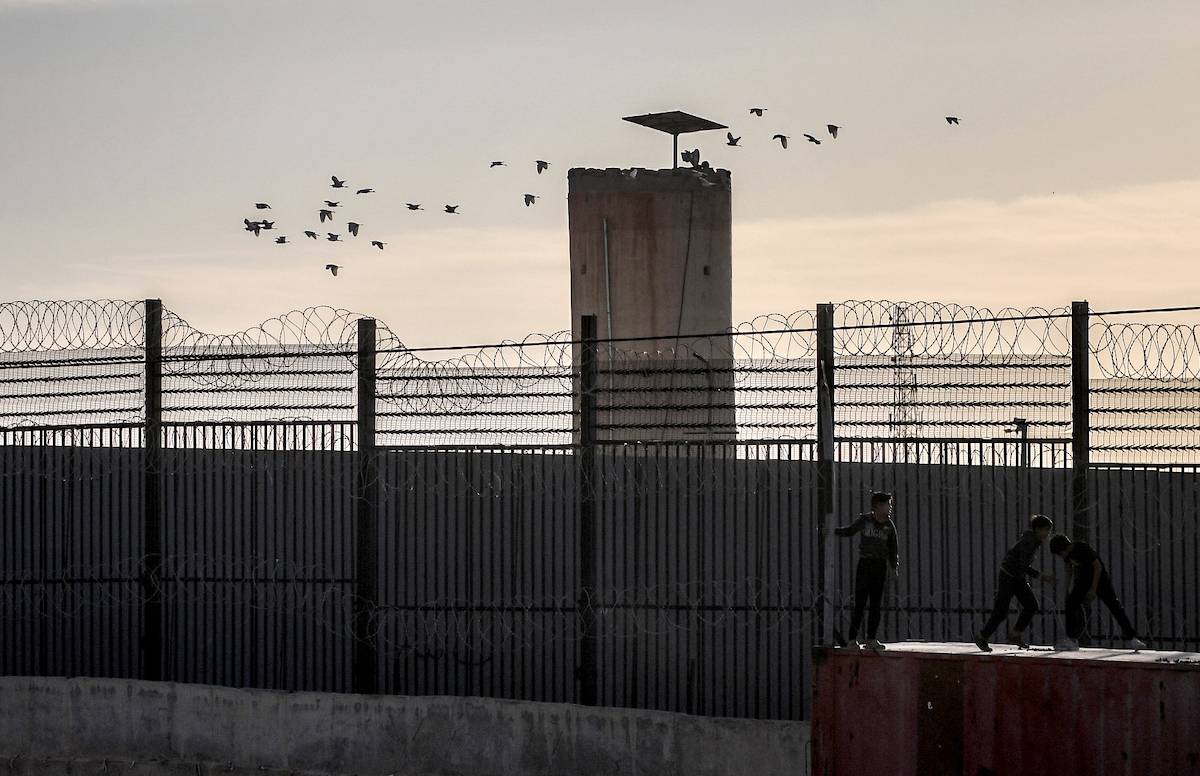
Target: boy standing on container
1089	580
1014	570
878	555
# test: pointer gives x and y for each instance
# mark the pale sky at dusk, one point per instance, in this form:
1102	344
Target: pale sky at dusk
137	135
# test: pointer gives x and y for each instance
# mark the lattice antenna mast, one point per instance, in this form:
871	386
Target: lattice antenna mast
903	419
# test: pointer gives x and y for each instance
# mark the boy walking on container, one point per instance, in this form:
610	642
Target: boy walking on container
1089	580
878	555
1015	573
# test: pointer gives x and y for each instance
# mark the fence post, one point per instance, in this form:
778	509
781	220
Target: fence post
825	433
1080	421
365	668
150	573
586	672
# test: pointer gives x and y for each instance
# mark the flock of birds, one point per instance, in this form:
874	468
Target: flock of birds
693	157
328	214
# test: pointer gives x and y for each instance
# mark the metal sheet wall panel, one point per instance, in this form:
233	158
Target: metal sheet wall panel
925	709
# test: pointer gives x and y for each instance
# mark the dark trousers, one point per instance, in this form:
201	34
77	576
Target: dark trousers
868	585
1104	591
1008	587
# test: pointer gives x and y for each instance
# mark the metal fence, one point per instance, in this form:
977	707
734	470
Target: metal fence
628	552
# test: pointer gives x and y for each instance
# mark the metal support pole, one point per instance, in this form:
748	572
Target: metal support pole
365	678
1080	425
150	573
825	455
674	156
608	333
586	672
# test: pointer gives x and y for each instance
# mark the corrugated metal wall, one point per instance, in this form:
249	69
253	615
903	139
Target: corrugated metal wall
70	537
258	561
707	574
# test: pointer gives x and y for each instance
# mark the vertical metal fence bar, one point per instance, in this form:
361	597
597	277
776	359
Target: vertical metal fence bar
585	605
150	573
364	659
825	456
1080	409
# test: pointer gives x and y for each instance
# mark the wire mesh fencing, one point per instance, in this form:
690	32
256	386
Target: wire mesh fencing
672	560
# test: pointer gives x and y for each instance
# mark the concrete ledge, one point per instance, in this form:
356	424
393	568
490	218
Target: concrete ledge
76	724
638	180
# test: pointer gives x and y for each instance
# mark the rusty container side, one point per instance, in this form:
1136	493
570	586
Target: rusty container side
933	712
863	720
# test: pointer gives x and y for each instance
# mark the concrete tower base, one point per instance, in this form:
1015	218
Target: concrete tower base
651	258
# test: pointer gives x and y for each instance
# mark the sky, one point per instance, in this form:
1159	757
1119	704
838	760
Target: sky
138	133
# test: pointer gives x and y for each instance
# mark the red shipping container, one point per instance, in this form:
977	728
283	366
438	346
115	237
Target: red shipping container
932	709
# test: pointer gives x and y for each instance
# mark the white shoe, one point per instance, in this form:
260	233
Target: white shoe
1135	643
1067	645
875	645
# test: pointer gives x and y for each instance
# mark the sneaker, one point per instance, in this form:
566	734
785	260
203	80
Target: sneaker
1135	643
1067	645
982	643
1021	641
875	645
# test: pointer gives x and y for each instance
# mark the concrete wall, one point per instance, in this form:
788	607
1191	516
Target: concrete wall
50	725
668	271
669	253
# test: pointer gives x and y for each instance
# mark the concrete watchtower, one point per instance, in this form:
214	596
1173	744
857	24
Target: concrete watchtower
651	257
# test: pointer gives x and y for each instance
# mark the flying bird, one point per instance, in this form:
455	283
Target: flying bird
691	157
333	237
329	203
811	139
365	191
252	226
332	268
378	244
497	164
307	233
262	206
530	199
326	214
541	166
353	227
337	183
952	119
452	209
412	205
733	141
281	239
757	111
267	225
781	138
833	128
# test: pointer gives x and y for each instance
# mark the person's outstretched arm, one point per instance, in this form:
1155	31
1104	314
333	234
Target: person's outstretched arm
850	530
1027	546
